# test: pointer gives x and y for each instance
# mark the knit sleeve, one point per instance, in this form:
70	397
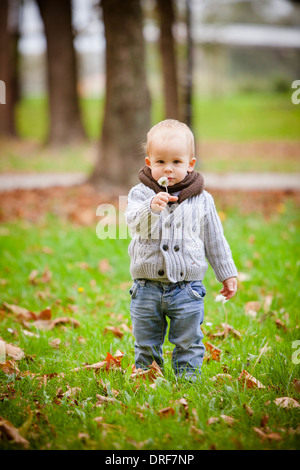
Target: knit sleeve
217	249
139	217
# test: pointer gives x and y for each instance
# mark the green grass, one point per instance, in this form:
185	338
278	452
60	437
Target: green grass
245	122
246	117
267	250
234	117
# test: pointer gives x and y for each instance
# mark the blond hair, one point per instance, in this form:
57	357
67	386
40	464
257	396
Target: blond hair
170	127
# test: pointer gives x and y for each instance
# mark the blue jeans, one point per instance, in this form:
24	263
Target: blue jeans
182	303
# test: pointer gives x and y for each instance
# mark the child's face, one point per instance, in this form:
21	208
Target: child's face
170	157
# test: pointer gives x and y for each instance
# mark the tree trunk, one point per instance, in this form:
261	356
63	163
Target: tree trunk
65	121
8	70
127	101
166	14
189	66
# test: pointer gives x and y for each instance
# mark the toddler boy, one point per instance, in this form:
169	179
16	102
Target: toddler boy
174	231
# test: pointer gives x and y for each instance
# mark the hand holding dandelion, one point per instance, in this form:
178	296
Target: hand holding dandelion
160	200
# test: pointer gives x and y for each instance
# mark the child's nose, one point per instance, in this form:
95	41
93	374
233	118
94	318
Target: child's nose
168	168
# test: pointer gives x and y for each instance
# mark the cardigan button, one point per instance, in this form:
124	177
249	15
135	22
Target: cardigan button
176	248
165	247
161	272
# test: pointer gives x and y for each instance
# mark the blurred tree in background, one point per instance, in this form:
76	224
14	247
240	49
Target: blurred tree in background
127	99
65	120
166	14
9	33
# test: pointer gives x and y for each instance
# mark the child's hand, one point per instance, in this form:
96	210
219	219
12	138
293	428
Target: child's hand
229	288
160	201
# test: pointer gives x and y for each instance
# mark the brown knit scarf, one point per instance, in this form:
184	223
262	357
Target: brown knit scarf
191	185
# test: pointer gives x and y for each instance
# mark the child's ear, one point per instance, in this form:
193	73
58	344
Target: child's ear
147	161
192	165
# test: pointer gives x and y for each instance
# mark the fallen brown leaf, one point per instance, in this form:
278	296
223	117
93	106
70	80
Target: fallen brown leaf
114	330
105	400
286	402
152	373
100	421
195	430
232	330
44	278
272	436
22	312
12	351
110	363
167	411
212	420
280	324
104	265
55	343
228	420
267	303
9	367
50	324
9	432
221	377
248	409
252	307
226	330
251	382
214	351
296	383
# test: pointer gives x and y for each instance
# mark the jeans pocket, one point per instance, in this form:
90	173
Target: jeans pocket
196	290
133	290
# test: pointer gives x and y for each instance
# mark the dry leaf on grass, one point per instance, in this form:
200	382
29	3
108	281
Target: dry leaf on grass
227	329
21	312
105	400
29	333
272	436
227	419
197	431
267	303
100	422
280	324
221	377
212	420
251	382
47	325
296	383
104	265
152	373
25	314
230	329
114	330
214	352
9	367
55	343
45	277
167	411
286	402
10	350
9	432
248	409
109	363
252	307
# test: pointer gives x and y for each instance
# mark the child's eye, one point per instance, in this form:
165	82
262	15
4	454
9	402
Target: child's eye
177	161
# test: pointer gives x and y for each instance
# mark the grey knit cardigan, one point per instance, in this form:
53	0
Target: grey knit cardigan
175	244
